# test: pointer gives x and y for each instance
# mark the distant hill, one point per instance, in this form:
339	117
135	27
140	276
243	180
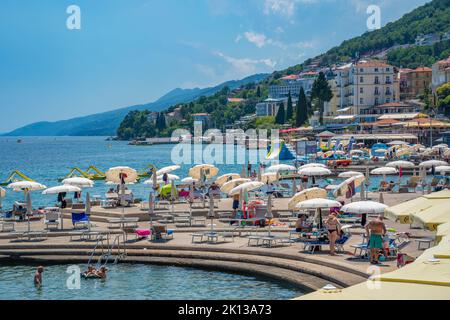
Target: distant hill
106	123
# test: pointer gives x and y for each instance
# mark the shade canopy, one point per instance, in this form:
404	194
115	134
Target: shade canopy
270	177
384	171
26	186
318	204
189	180
349	174
170	177
78	182
280	168
442	169
226	187
246	187
313	165
220	181
167	170
361	207
307	194
400	164
121	174
61	189
432	163
209	171
314	172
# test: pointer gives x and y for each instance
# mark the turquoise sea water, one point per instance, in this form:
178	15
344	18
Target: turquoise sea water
46	159
140	282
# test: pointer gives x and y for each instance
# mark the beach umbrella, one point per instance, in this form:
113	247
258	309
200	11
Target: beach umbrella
121	175
220	181
341	189
281	168
206	170
384	171
314	172
189	180
400	164
88	210
29	209
397	143
269	177
226	187
170	177
318	203
350	174
362	207
151	207
433	163
78	182
153	183
442	169
168	169
26	186
211	210
246	187
442	231
313	165
269	215
307	194
60	189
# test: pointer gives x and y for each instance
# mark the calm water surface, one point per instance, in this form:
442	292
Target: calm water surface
140	282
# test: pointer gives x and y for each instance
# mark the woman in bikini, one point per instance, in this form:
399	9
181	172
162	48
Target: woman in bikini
334	230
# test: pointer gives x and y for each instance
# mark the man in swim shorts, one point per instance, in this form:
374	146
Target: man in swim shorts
376	229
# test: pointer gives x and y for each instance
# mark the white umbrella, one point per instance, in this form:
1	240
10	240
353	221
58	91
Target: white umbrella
318	203
209	171
167	170
88	210
350	174
342	188
189	180
78	182
26	186
60	189
433	163
246	187
307	194
220	181
313	165
314	171
119	175
281	168
170	177
384	171
152	183
270	177
400	164
226	188
443	169
361	207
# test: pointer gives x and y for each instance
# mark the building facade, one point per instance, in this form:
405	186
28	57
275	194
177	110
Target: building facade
269	107
414	82
441	73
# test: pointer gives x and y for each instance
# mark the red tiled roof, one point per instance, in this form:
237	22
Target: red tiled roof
235	99
444	61
290	77
372	63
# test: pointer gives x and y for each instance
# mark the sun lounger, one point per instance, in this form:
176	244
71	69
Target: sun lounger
51	219
80	220
311	246
142	233
7	226
161	232
341	242
35	235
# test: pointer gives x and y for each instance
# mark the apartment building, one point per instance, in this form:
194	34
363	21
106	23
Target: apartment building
413	82
441	73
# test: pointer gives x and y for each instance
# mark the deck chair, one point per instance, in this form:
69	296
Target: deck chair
80	220
341	242
51	219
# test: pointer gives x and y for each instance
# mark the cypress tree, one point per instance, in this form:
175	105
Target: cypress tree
289	110
281	116
321	90
302	109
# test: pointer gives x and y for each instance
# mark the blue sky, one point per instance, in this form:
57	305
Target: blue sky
132	52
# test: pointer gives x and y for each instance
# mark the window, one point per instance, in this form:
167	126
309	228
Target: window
377	101
388	69
361	90
377	80
388	100
388	79
361	70
376	69
377	91
361	79
361	100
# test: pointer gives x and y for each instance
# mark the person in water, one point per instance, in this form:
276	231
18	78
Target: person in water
38	276
101	273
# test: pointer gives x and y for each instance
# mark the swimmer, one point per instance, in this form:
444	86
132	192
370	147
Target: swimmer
38	276
90	271
101	273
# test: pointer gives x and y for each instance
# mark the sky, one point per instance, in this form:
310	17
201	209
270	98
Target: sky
130	52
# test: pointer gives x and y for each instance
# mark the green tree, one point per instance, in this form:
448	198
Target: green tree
281	115
301	114
443	97
321	91
290	109
258	92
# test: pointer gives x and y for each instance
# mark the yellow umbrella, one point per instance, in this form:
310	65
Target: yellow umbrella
307	194
220	181
382	291
226	187
442	231
128	174
270	177
431	217
209	171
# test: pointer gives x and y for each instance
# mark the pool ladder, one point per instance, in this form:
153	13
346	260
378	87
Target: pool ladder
106	256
